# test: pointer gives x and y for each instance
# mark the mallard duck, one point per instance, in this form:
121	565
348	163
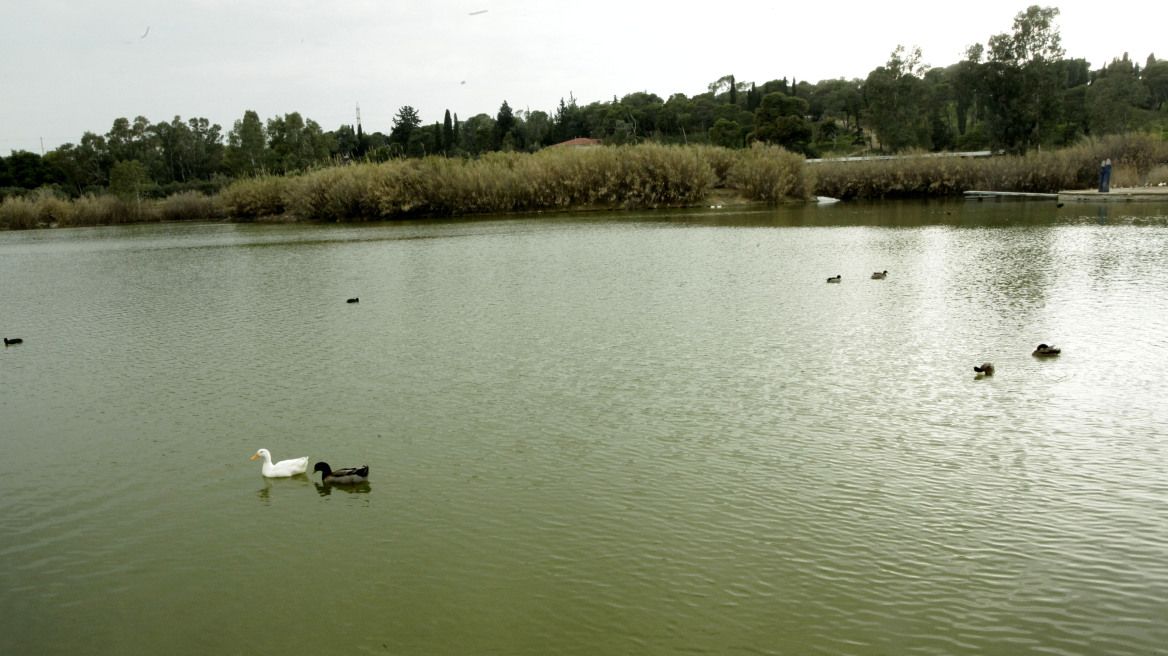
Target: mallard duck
1044	349
353	300
282	468
880	275
835	279
347	476
13	340
986	369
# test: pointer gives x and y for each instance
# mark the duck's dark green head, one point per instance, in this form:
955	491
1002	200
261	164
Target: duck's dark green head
322	467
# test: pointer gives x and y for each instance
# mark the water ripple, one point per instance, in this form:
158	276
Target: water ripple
588	437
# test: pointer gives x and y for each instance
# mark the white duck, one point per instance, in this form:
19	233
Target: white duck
282	468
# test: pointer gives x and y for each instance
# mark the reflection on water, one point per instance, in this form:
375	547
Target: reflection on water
618	433
325	489
283	485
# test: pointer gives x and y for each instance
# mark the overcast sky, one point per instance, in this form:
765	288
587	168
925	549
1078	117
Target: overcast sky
71	66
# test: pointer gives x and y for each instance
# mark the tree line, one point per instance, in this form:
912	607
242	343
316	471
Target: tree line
1017	92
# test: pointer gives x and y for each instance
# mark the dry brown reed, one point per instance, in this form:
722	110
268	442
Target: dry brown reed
500	182
189	206
18	213
106	210
1047	172
770	174
46	209
252	198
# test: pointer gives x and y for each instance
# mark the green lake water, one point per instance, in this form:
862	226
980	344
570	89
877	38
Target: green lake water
642	433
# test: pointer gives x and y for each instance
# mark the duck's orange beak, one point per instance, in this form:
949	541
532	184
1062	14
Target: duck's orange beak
255	456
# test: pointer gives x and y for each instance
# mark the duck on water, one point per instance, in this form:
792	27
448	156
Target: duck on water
346	476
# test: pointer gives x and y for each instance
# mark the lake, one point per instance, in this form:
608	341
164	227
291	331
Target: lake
628	433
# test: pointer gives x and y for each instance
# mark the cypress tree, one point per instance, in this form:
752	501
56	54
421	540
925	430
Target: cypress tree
447	131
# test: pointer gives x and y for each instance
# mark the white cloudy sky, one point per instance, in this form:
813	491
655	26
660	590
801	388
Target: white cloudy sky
70	66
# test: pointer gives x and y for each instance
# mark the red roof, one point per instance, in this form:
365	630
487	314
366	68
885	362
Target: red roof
578	141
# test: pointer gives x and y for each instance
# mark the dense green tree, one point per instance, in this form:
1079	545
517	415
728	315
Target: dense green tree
619	124
726	133
677	116
295	143
135	141
568	122
772	86
1155	77
404	123
1022	83
190	150
1076	72
504	124
478	133
423	141
897	97
643	110
966	77
1113	101
782	120
246	145
1076	118
839	99
448	141
753	98
85	165
131	180
537	130
344	142
828	130
725	111
28	171
939	98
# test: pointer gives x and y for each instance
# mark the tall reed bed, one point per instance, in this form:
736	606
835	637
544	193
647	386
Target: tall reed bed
553	179
1133	158
644	176
44	209
769	174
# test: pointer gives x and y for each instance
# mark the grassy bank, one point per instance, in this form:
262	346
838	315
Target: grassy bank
1134	159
